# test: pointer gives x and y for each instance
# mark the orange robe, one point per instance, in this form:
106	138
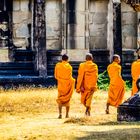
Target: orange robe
135	72
87	81
63	74
117	86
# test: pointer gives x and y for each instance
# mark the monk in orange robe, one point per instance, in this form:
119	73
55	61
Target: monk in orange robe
117	86
63	74
135	72
87	82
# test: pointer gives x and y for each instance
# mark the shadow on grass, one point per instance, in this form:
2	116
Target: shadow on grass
116	134
89	121
120	123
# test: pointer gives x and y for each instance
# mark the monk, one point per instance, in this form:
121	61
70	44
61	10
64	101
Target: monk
63	74
117	86
135	72
87	81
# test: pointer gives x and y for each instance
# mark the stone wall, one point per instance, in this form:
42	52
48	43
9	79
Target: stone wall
98	24
21	19
88	32
129	27
54	24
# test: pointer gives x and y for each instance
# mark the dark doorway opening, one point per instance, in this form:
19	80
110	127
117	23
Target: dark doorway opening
5	29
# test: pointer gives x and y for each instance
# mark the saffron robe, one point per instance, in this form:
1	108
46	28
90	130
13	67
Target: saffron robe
135	72
63	74
87	82
117	86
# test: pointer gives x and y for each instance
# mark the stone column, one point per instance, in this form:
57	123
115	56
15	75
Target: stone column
76	29
39	37
110	40
114	31
117	28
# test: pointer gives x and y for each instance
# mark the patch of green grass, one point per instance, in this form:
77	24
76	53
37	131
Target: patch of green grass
103	81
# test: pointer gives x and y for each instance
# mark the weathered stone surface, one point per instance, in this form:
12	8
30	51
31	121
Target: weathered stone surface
53	30
130	109
98	18
53	5
54	44
98	43
129	42
78	55
76	42
98	5
24	5
20	42
55	16
98	30
20	17
76	30
80	18
16	5
126	8
129	18
22	31
80	5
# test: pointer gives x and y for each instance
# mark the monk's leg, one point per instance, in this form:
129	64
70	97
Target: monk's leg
60	111
87	113
88	102
107	108
67	111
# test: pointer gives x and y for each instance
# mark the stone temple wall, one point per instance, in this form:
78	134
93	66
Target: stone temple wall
129	27
98	24
54	24
88	32
22	18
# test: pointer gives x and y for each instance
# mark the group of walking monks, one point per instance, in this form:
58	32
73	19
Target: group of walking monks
86	83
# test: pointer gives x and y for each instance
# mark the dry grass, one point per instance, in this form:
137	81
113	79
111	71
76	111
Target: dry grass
31	114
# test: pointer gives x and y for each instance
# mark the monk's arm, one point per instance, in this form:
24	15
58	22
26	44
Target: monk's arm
80	78
96	76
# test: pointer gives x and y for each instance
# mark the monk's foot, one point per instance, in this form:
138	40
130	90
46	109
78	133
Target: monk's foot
88	113
107	111
60	116
67	116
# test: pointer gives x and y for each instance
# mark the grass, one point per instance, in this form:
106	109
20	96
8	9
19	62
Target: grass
31	114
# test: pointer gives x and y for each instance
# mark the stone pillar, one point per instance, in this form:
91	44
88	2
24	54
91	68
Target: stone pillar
110	40
114	31
76	29
39	37
117	28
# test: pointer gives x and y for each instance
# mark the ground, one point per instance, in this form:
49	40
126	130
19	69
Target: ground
31	114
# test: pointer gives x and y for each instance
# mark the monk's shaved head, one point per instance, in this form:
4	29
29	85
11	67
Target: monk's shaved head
116	56
89	56
65	57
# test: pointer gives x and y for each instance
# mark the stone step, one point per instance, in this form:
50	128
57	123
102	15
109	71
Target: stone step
11	81
18	72
16	65
23	55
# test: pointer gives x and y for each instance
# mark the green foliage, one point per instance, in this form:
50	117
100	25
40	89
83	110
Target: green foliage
103	81
128	85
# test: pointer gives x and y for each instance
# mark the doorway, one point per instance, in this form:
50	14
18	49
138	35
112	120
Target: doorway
5	29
